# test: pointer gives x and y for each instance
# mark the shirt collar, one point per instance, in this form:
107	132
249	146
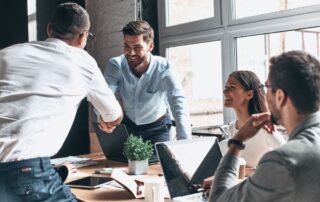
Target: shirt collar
57	41
310	120
151	66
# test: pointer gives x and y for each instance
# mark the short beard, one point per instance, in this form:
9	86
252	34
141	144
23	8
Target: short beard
139	62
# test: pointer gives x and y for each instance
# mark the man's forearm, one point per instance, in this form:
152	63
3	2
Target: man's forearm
226	176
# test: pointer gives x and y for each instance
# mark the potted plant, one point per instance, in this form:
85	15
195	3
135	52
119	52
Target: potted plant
137	152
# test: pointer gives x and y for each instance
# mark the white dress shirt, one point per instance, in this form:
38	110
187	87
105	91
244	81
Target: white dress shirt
258	145
41	87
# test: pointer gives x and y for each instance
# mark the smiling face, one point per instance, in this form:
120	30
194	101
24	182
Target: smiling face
235	95
137	52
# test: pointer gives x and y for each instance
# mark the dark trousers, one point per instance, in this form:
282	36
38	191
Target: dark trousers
158	131
32	180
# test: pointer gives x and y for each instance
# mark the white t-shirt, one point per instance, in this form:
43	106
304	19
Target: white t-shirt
41	87
258	145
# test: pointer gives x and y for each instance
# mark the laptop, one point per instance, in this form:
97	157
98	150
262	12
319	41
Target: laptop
112	143
186	163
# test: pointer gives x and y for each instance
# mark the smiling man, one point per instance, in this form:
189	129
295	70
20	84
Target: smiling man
145	82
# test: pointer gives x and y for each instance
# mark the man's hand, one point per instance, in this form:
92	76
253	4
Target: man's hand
206	185
108	127
253	125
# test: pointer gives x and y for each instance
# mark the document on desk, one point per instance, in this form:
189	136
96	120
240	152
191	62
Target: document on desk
133	186
78	162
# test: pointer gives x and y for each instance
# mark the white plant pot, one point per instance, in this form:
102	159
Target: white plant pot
138	167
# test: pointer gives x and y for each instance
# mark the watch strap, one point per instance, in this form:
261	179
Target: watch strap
239	143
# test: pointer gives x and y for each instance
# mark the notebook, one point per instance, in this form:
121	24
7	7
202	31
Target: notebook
112	143
186	163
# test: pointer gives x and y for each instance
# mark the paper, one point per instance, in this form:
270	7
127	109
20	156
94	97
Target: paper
76	161
134	187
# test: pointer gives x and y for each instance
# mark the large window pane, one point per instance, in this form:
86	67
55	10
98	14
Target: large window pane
183	11
253	52
245	8
200	69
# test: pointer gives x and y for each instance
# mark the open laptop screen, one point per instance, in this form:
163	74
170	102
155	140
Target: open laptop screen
112	143
187	162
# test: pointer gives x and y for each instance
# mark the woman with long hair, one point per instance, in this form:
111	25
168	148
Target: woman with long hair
242	93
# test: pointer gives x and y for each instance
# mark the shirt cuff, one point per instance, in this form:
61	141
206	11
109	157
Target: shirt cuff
112	116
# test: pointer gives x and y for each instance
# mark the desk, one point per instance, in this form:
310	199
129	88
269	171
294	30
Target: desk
104	193
209	131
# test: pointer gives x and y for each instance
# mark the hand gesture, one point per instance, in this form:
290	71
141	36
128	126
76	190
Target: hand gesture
253	125
108	127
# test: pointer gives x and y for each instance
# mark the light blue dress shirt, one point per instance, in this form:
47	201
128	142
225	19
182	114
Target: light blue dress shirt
144	98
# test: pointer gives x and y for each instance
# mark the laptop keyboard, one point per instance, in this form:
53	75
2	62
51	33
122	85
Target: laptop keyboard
198	198
193	197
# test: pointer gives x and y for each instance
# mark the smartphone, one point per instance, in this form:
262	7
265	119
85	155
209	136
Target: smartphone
90	182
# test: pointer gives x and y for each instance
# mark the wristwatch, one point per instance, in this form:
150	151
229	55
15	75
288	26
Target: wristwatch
240	144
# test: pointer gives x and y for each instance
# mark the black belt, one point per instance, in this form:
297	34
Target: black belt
127	120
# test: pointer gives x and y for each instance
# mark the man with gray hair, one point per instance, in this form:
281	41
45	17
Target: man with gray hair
41	86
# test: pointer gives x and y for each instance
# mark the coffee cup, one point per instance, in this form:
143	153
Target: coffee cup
153	190
242	168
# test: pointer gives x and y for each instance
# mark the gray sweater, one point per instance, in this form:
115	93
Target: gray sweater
289	173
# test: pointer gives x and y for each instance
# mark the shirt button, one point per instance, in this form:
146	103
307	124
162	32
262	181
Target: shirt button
28	191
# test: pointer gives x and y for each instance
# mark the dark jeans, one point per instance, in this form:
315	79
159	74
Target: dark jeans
32	180
158	131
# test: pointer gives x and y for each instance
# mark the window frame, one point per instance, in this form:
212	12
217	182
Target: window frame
230	29
269	16
192	26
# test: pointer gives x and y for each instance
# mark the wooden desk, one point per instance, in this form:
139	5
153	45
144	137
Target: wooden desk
104	193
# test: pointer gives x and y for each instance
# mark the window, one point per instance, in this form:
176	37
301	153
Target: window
183	11
267	45
200	73
183	16
245	8
248	33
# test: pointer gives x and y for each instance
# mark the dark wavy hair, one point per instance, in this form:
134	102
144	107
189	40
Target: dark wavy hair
297	73
138	27
250	81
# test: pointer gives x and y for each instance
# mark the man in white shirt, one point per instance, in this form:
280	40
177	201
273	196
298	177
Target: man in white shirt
41	87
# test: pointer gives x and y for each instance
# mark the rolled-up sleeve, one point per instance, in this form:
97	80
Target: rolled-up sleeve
112	74
103	99
178	104
272	181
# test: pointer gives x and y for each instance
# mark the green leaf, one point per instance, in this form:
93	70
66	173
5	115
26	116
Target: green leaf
136	149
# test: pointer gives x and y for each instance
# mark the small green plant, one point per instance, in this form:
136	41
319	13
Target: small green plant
135	149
